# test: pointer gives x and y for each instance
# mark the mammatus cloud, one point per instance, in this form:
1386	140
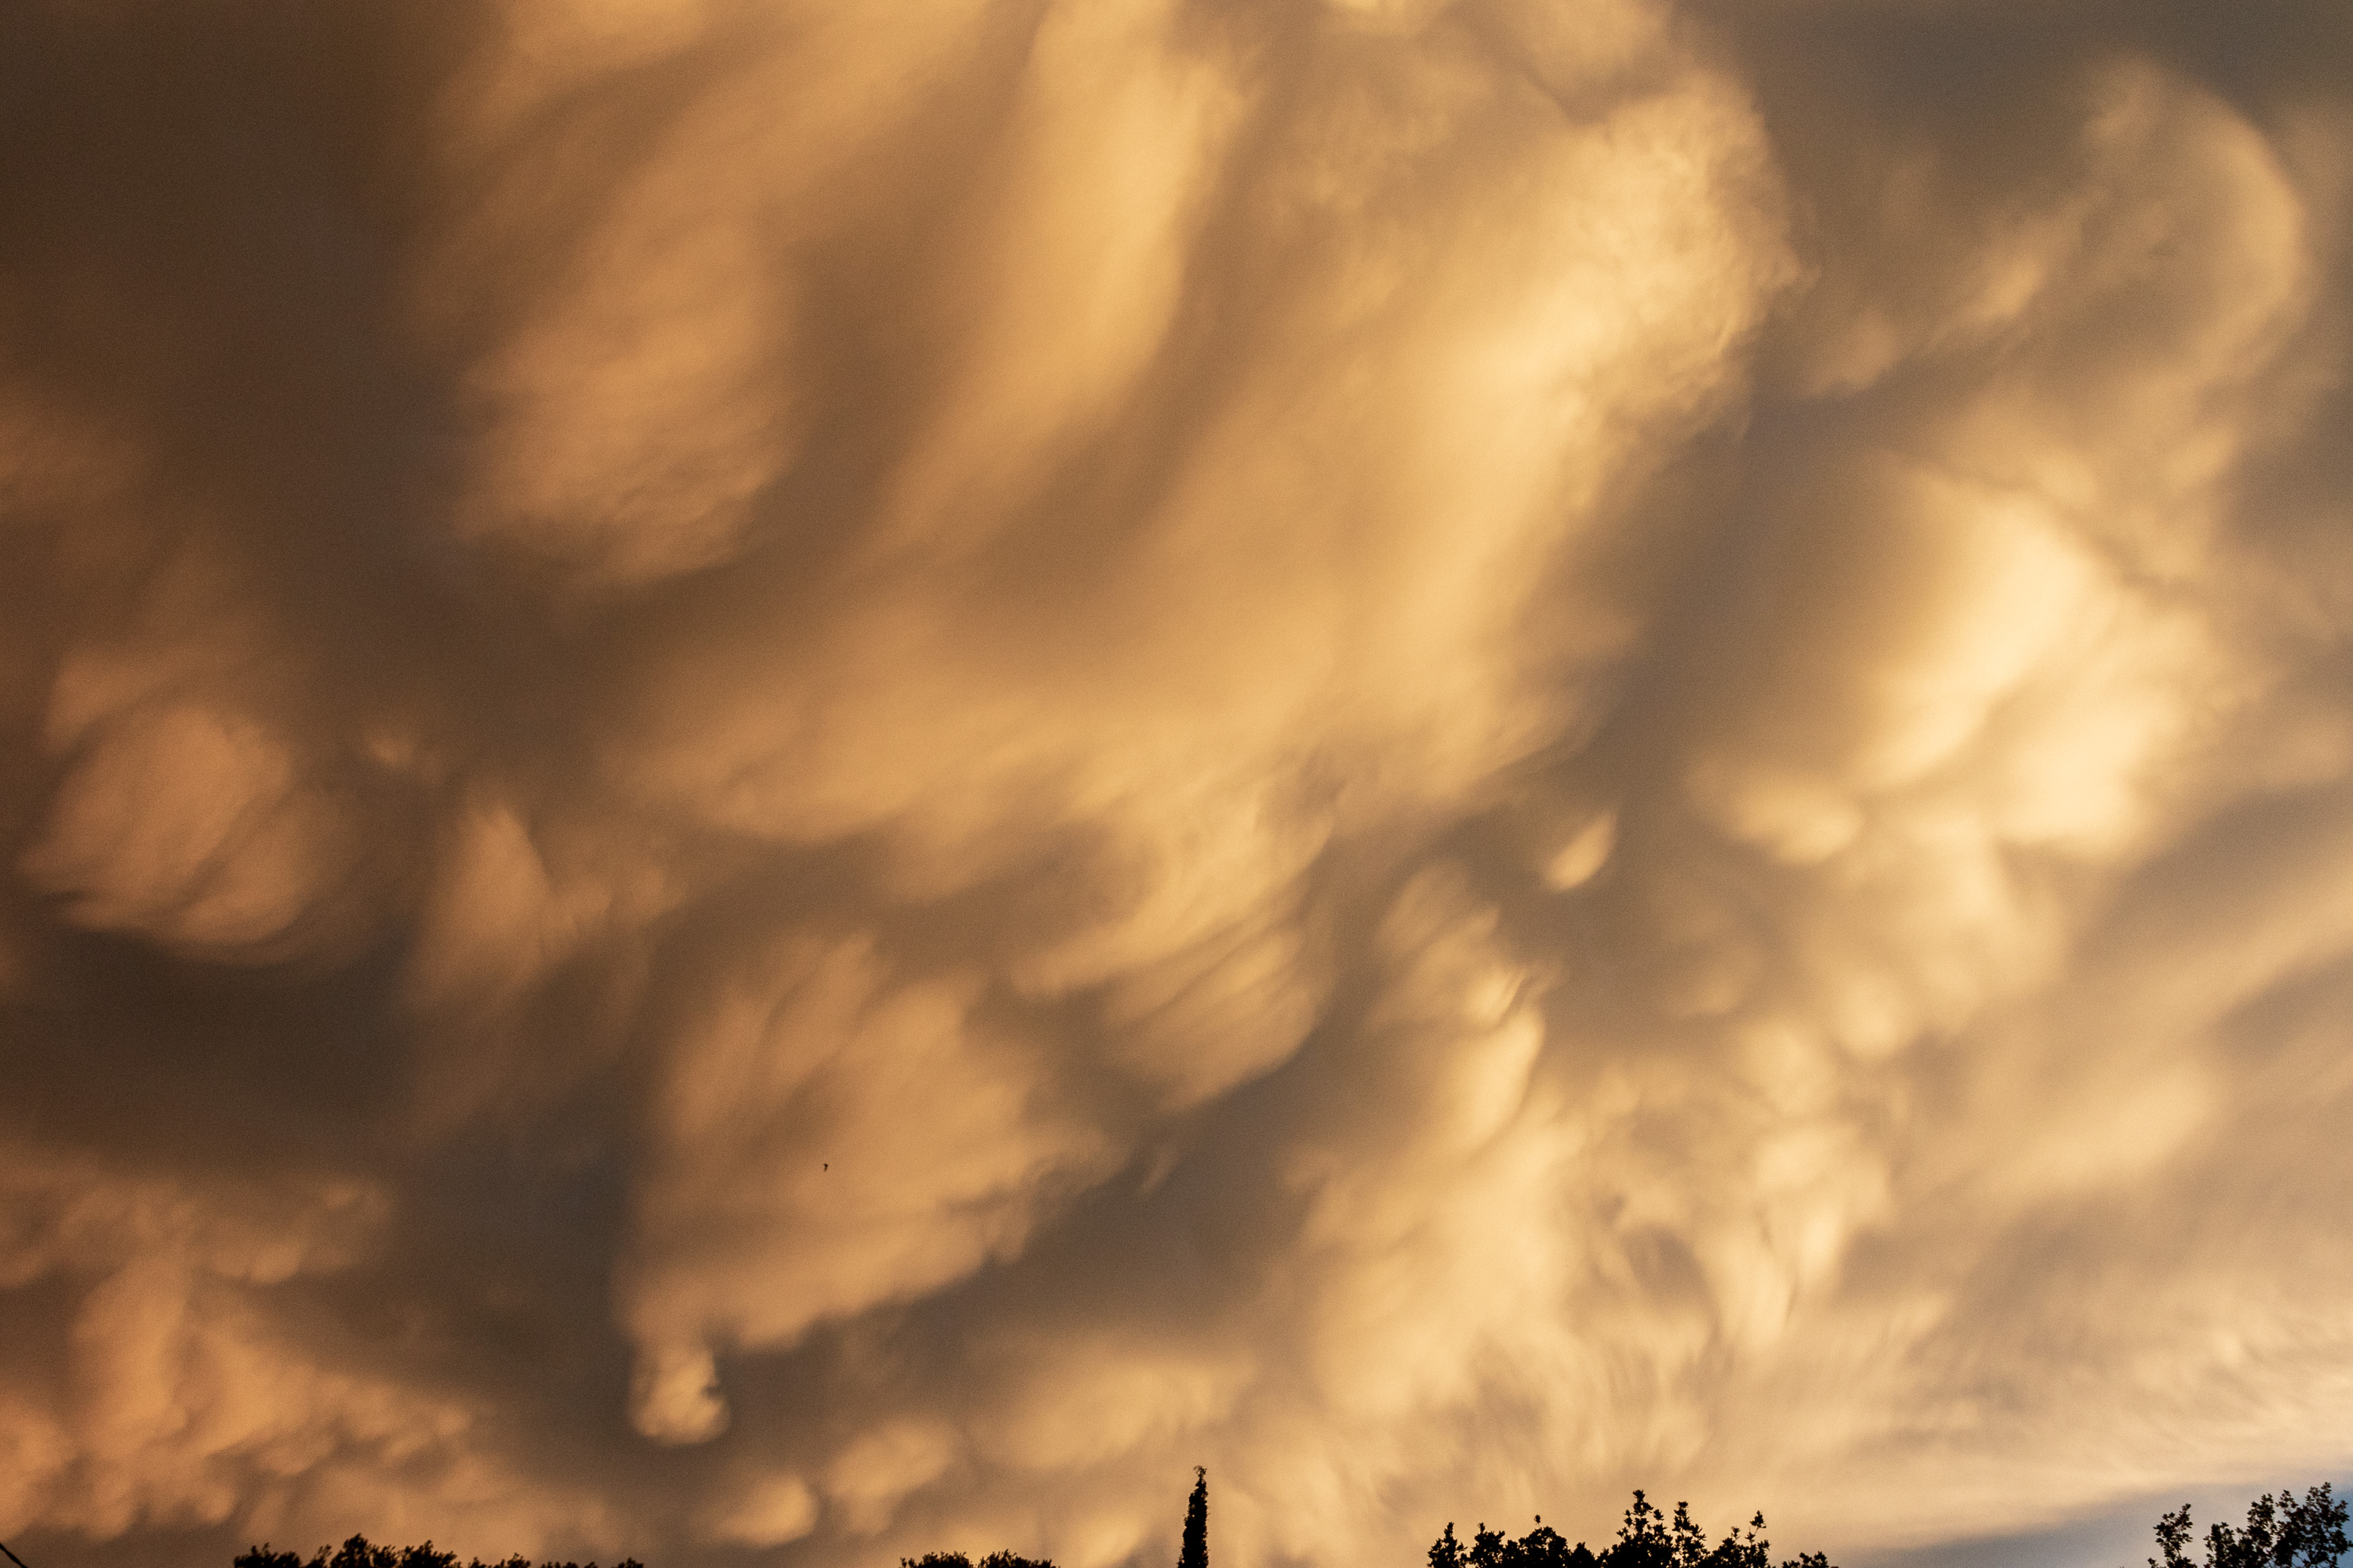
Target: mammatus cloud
833	779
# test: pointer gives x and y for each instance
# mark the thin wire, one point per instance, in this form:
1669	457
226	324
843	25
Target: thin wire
12	1556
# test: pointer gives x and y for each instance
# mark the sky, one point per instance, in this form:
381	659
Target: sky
793	781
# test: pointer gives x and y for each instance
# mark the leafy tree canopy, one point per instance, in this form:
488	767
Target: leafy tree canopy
359	1553
1647	1538
2283	1531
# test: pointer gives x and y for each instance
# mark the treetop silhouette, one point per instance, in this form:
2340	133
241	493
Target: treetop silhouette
1647	1538
2283	1531
2280	1531
358	1552
1196	1550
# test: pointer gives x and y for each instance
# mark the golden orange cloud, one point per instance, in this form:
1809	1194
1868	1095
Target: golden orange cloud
823	781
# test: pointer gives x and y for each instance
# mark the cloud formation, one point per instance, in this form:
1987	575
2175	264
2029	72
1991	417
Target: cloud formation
812	781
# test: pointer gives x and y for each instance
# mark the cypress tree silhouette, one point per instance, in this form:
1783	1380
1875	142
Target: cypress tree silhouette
1196	1523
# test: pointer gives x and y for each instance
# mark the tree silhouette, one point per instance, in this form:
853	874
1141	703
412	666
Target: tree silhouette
2283	1531
358	1552
1647	1538
1195	1552
2280	1531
